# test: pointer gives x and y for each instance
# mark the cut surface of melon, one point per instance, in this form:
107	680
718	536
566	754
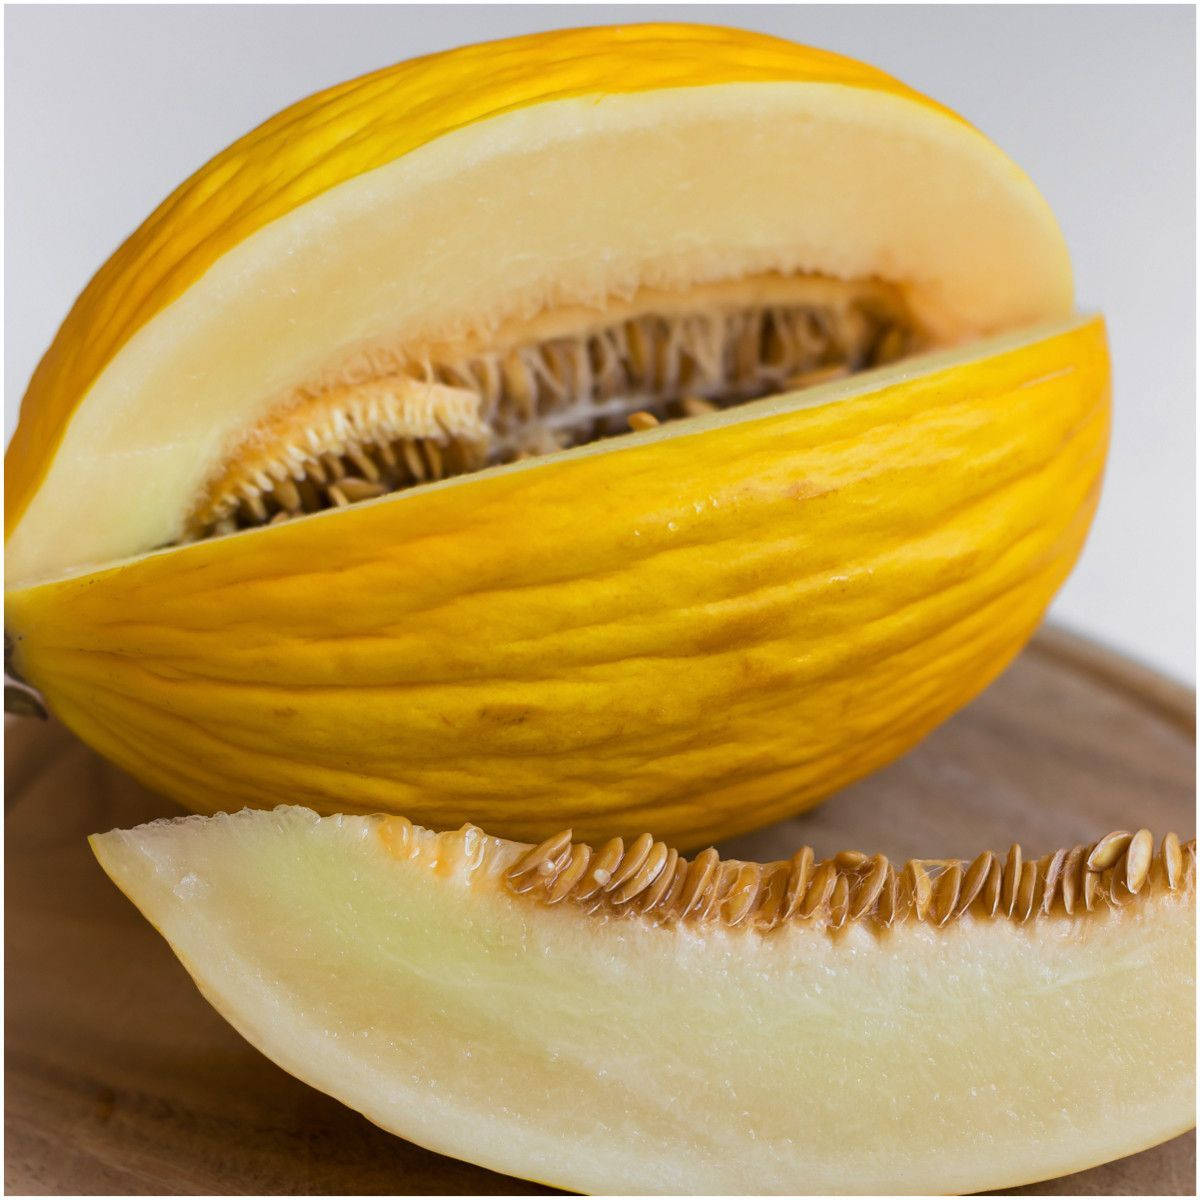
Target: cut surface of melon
619	1019
403	415
485	187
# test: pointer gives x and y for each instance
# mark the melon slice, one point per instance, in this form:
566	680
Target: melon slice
620	1019
428	212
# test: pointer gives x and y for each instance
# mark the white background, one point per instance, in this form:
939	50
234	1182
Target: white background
107	109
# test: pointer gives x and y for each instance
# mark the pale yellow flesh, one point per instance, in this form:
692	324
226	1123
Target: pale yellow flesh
794	177
611	1055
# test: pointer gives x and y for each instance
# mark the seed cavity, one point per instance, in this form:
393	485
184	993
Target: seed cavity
651	881
396	417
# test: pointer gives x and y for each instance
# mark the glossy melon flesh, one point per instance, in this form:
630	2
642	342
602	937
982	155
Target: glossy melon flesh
622	1020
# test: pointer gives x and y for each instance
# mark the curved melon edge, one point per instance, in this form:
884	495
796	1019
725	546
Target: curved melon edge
119	853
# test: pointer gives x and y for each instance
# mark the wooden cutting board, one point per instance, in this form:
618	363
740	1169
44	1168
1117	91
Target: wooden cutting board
121	1079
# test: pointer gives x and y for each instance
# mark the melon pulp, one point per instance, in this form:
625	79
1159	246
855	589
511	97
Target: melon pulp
625	1021
323	492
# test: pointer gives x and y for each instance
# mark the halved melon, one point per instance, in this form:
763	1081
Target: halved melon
325	491
622	1020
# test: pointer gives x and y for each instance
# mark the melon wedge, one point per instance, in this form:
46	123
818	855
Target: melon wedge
454	192
624	1020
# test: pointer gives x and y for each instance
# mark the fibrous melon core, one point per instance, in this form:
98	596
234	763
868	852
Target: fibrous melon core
396	416
649	879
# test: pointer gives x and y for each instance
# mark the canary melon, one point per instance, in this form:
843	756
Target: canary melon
658	425
624	1020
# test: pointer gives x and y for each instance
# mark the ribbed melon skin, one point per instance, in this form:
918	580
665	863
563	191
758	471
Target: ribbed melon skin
350	129
694	634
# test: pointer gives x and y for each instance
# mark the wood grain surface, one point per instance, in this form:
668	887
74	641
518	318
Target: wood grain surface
120	1078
